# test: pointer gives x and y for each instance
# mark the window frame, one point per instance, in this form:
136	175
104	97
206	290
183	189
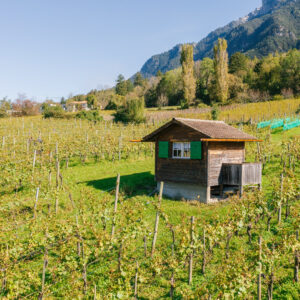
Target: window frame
182	144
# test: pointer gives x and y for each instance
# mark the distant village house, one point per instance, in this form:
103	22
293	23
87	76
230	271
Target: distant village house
76	106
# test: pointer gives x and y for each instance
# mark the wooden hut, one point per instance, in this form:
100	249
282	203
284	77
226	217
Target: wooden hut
201	159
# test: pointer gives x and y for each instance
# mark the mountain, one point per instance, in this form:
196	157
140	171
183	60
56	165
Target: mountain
273	27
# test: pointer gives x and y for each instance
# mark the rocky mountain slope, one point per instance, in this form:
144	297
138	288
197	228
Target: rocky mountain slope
273	27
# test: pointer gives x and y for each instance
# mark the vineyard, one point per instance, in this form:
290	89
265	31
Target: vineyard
70	227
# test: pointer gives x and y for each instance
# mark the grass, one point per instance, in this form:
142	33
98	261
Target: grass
137	180
91	185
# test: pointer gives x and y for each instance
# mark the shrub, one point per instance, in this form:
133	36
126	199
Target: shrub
132	112
278	97
92	115
54	112
111	105
184	104
215	113
3	113
26	108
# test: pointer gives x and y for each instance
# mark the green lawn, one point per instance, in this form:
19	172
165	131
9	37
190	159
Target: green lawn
137	182
92	187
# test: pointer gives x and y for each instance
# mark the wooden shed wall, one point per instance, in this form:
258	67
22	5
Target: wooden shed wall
181	170
223	152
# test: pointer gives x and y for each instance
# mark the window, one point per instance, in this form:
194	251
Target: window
181	150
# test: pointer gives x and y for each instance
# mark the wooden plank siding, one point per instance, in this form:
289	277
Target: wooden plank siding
251	173
181	170
220	153
241	174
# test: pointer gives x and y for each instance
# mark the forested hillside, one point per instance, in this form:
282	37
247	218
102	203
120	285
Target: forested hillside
275	27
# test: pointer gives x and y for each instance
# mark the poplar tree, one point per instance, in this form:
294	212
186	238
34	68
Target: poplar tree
221	70
189	82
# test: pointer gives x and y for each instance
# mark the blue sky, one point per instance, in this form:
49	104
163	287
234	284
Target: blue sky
51	48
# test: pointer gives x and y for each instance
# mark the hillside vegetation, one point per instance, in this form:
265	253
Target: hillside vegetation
275	27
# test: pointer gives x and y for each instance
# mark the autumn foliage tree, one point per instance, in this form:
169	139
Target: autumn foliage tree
221	70
189	82
26	107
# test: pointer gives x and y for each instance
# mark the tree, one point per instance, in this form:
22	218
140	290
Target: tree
132	112
221	70
26	107
91	100
5	105
159	73
238	62
170	85
290	71
205	75
123	87
63	101
162	100
138	80
188	79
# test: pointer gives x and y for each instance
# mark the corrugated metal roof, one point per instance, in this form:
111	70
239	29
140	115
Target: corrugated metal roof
212	129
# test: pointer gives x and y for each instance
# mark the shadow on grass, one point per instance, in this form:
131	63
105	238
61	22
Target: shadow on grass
131	185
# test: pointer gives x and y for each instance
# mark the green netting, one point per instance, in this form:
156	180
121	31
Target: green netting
263	124
276	124
291	125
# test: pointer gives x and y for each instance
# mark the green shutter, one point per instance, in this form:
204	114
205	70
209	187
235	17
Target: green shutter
196	150
163	149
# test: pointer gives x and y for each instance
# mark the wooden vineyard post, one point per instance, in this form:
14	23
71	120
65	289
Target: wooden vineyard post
120	147
79	237
95	292
259	269
120	256
204	254
84	273
36	202
157	218
172	281
136	281
115	206
44	274
145	245
270	286
57	174
56	204
269	218
192	251
280	203
49	178
260	247
33	161
296	268
259	282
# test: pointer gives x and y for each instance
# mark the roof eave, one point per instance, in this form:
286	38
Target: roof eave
231	140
